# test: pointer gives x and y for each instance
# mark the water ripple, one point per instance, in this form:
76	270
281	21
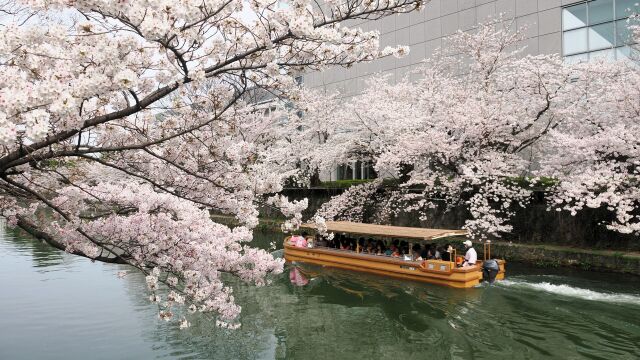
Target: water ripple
574	292
64	301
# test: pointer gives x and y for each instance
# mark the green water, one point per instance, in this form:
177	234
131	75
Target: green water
55	306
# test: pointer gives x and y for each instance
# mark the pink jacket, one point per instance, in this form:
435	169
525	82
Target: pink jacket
298	241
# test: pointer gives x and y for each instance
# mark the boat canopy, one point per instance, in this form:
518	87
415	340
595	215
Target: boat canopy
388	231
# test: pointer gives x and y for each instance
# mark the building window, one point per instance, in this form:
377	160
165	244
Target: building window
597	29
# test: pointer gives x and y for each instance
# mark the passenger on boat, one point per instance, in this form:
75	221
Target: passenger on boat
390	250
309	239
437	255
406	254
380	245
446	255
370	249
338	241
373	244
344	245
396	252
415	254
471	257
424	252
428	252
342	242
321	241
298	241
396	244
333	243
402	246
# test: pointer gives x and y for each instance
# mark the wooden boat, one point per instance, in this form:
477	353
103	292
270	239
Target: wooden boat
431	271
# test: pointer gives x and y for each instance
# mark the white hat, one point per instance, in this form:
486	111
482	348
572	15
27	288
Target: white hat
468	243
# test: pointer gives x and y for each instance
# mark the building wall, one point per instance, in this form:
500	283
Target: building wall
429	29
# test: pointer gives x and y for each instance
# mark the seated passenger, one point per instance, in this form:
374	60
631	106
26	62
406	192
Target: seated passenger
371	242
321	241
339	240
342	240
390	250
437	255
396	243
471	257
344	245
406	254
448	253
379	250
308	238
298	241
402	245
416	256
396	252
415	252
424	252
335	242
439	252
431	252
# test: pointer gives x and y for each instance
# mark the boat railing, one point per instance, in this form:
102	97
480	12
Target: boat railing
416	263
487	250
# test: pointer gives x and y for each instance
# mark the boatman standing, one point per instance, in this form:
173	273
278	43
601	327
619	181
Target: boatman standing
470	257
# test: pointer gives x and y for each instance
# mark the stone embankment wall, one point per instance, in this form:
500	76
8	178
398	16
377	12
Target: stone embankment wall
531	225
540	237
555	256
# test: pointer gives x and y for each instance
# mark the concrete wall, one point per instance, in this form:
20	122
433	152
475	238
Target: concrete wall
428	30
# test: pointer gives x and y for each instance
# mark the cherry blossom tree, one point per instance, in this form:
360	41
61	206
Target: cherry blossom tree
596	155
123	124
481	127
462	133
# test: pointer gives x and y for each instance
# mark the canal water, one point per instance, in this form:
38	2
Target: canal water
56	306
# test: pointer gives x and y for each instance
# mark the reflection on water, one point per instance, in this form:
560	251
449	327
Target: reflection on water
78	309
41	253
297	277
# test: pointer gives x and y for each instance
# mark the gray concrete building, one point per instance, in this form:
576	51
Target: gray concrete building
579	30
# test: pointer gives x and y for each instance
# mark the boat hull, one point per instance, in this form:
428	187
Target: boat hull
430	271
